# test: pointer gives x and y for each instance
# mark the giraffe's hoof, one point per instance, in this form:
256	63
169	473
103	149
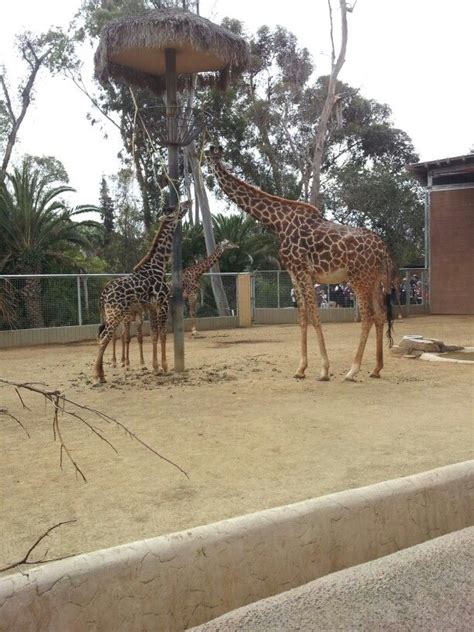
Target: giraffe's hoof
100	380
323	378
299	376
349	378
114	365
377	375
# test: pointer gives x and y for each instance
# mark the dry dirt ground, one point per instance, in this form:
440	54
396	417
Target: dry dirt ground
249	435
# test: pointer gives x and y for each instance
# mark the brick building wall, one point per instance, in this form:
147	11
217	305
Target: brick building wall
452	251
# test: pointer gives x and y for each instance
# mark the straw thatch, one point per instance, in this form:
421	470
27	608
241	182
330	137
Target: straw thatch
133	49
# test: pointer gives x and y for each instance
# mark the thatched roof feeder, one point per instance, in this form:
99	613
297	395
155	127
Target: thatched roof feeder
151	50
132	50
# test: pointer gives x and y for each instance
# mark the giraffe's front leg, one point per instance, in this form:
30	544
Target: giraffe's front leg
140	338
303	321
126	345
114	349
315	320
104	336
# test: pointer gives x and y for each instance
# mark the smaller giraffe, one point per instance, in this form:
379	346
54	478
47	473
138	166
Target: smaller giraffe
192	278
191	281
147	285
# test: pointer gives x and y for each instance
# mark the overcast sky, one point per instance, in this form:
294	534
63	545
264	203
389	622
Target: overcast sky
414	55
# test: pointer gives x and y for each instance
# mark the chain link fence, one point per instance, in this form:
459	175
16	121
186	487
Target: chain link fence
62	300
273	289
45	301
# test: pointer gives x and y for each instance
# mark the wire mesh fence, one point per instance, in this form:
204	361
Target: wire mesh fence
30	302
39	301
274	289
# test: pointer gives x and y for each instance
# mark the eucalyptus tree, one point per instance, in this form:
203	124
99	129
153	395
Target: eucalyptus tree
34	51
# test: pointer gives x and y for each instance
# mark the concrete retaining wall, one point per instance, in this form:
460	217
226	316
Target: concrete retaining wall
287	315
78	333
176	581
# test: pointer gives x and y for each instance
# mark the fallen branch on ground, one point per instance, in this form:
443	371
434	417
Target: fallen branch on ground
25	560
60	402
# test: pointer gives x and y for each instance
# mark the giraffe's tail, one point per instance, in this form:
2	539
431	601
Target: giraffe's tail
389	282
389	312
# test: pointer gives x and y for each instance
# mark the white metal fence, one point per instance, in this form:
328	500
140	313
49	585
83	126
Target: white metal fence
62	300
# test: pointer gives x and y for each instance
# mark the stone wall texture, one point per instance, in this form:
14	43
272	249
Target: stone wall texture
177	581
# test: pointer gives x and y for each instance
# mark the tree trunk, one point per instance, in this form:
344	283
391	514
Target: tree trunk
32	294
25	102
322	127
216	281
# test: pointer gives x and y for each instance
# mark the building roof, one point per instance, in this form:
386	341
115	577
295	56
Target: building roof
455	164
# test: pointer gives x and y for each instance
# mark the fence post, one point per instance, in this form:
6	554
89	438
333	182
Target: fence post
244	294
79	303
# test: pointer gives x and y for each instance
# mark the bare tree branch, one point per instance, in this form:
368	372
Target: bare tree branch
25	560
25	102
322	126
60	402
7	413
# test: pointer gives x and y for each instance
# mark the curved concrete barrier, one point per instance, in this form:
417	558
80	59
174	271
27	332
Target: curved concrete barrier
181	580
425	587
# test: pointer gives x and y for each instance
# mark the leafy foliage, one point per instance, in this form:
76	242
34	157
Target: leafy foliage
37	230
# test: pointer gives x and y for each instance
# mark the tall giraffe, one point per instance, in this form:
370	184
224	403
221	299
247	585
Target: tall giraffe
191	282
122	297
314	249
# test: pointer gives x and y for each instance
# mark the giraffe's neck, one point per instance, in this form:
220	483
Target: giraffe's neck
268	209
203	266
158	256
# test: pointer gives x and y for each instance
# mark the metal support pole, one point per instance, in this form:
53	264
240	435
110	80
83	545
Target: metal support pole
278	288
79	302
173	166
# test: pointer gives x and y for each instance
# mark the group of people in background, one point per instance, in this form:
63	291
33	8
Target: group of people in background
411	291
341	295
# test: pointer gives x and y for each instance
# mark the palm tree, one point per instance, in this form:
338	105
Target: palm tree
37	233
258	249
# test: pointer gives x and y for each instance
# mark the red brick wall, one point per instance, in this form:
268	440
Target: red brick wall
452	251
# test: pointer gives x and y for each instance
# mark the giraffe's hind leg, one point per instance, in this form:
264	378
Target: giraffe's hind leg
367	317
379	318
192	303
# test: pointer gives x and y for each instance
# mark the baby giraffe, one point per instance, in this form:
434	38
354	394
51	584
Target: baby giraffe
145	286
191	280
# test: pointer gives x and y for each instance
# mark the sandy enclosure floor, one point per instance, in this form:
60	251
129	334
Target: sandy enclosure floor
249	435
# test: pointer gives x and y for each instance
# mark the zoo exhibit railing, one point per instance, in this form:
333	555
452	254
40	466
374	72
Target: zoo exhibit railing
273	298
65	300
62	300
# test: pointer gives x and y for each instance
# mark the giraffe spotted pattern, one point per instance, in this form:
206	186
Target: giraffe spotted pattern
122	298
314	249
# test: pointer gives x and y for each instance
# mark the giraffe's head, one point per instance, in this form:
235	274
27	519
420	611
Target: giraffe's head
214	153
176	213
225	244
